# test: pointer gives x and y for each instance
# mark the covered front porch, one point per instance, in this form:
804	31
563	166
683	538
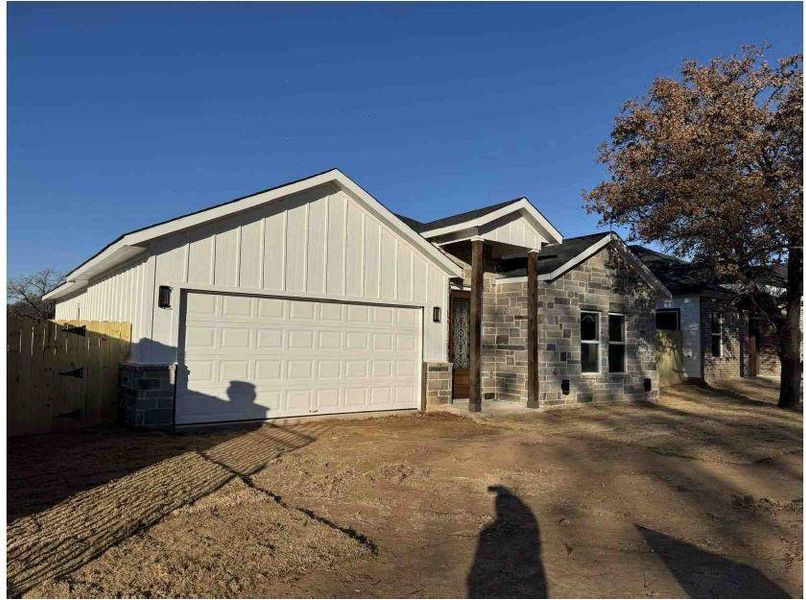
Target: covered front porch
493	337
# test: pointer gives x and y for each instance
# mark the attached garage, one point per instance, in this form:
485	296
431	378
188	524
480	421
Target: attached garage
252	357
309	298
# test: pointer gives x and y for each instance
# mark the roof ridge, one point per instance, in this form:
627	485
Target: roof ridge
661	254
486	209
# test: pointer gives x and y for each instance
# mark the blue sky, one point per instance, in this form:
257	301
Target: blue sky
121	115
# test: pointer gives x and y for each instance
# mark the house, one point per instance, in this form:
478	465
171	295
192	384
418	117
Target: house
312	298
720	337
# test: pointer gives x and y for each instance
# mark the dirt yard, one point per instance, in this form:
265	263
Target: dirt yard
698	495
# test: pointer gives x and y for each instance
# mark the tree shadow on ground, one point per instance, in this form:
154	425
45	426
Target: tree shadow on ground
508	561
703	574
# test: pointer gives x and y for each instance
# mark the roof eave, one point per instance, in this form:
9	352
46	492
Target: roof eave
136	242
522	204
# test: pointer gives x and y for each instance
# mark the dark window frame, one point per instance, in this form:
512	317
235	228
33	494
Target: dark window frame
594	342
717	318
675	311
622	343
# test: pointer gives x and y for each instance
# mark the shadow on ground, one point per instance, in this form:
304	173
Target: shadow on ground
130	492
703	574
508	561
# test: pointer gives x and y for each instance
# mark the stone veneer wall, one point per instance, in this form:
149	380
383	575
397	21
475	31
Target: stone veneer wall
734	360
437	383
504	342
146	395
603	283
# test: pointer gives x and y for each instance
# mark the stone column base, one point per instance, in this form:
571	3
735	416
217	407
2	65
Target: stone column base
146	395
437	383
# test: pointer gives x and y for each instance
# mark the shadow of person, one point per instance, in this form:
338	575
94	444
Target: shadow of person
244	394
705	575
507	563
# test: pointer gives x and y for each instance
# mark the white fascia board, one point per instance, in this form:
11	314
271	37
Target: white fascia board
136	242
653	281
521	205
65	289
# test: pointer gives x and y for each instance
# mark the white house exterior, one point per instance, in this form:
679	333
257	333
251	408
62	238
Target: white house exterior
306	299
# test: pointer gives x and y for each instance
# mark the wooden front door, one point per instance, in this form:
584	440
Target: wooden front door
459	342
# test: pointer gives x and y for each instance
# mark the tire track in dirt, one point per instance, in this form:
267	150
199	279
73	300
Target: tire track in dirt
61	539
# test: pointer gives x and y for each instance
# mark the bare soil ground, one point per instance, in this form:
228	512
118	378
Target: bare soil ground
697	495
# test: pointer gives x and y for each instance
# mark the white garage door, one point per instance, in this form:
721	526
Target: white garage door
249	357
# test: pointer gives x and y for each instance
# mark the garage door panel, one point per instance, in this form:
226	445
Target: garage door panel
355	397
328	400
380	395
257	358
235	338
233	370
200	336
268	370
237	306
330	340
329	369
270	308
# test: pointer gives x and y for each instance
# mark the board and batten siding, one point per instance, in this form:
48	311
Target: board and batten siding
516	231
320	244
115	296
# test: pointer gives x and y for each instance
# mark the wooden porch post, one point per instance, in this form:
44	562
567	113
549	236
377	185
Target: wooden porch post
533	379
476	295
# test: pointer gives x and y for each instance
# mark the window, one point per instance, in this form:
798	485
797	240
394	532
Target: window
716	335
615	343
589	336
667	319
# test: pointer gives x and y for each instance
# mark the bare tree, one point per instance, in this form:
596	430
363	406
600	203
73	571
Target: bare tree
24	295
710	165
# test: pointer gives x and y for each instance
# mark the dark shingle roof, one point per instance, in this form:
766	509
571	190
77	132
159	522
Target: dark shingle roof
679	277
416	225
469	215
553	256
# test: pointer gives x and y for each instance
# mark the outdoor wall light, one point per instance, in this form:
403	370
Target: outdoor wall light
164	297
437	314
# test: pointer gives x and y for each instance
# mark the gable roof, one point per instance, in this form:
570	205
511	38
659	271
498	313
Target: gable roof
556	259
136	242
481	216
679	276
465	216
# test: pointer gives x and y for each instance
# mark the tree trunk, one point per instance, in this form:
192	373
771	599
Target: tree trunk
791	366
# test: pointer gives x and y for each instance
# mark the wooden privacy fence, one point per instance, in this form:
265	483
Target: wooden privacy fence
670	357
63	375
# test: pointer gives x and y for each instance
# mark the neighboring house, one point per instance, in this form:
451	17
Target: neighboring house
721	339
313	298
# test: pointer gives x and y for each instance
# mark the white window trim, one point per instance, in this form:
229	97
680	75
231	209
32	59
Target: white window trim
721	319
621	343
597	341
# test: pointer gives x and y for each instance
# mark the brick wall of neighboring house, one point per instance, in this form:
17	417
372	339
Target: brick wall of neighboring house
734	360
767	345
